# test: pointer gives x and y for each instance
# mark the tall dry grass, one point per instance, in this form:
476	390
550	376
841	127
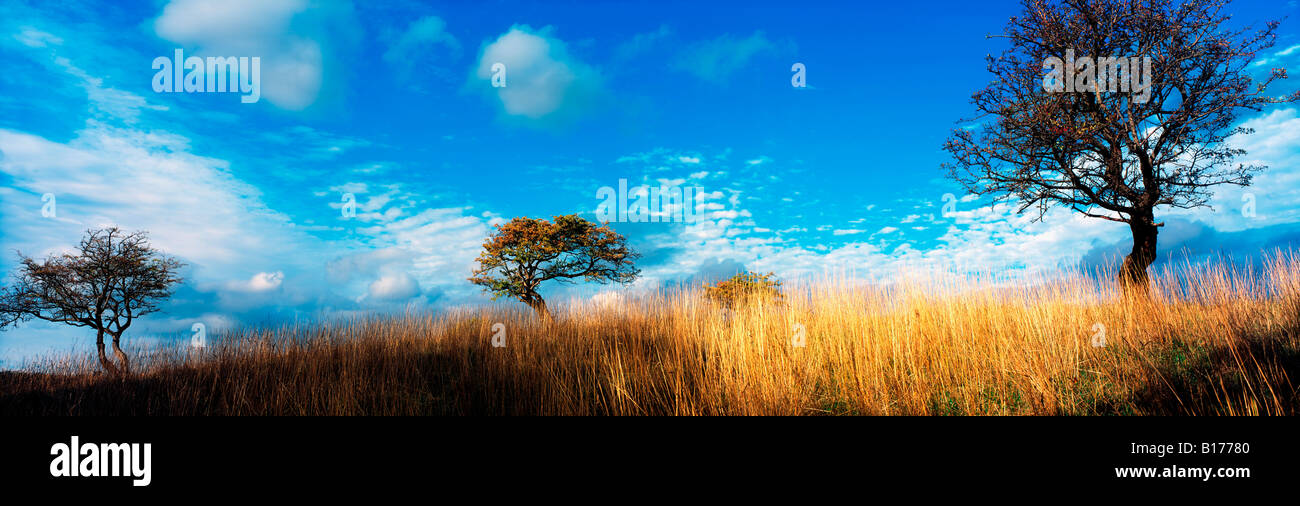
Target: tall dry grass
1209	340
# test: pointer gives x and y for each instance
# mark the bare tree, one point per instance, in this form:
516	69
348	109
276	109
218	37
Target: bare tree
112	279
1112	146
524	253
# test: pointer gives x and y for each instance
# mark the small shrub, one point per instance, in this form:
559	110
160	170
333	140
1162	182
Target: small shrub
745	288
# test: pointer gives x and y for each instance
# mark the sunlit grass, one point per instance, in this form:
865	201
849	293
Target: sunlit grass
1209	341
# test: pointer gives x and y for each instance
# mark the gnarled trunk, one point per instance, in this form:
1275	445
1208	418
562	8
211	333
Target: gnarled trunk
539	305
121	355
1133	273
103	358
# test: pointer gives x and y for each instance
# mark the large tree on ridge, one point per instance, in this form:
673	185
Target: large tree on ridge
1107	153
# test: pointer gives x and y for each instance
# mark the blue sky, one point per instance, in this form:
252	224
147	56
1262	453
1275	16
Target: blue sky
394	104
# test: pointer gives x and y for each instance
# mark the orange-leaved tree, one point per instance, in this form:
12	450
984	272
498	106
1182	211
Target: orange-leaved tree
524	253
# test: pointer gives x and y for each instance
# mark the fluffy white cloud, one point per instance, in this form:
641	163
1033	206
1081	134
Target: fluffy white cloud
383	274
294	39
394	287
541	78
260	282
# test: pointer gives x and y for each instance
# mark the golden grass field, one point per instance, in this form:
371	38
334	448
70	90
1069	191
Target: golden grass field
1221	342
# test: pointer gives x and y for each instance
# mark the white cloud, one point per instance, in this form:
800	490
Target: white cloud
394	287
988	239
260	282
445	242
541	78
293	38
350	188
106	102
1275	191
717	59
1277	56
32	37
425	44
435	247
139	180
423	34
641	43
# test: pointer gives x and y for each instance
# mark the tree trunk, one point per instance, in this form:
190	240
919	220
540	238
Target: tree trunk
121	355
539	305
103	358
1133	273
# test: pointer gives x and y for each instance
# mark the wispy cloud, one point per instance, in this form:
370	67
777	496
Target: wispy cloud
717	59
